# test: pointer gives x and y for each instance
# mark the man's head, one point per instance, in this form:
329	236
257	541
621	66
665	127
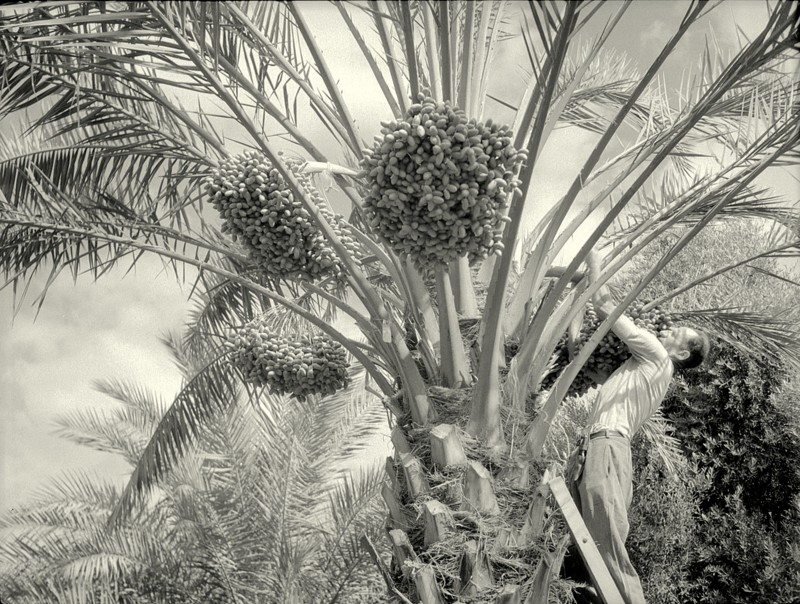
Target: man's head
687	347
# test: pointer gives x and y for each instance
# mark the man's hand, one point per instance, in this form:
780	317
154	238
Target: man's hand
593	262
603	304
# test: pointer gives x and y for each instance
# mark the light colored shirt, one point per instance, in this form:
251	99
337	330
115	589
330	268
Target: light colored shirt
635	390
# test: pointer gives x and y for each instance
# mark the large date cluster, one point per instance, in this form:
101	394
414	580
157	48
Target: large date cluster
260	210
439	183
313	364
610	353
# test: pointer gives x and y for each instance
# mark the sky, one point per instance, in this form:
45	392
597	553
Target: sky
84	332
88	331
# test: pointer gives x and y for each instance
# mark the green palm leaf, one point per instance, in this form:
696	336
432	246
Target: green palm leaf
657	432
750	332
204	394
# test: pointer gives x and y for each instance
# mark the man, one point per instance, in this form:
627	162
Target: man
602	486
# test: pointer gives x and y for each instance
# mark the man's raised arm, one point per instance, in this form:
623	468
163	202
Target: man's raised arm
640	342
603	304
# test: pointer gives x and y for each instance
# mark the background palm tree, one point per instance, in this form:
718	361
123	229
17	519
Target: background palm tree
259	509
113	168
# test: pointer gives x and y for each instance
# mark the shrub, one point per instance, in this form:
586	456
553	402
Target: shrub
725	554
728	531
733	420
663	521
745	557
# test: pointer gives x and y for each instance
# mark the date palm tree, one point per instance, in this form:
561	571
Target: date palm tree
258	509
140	104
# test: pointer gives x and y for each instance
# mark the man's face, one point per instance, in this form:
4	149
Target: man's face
676	341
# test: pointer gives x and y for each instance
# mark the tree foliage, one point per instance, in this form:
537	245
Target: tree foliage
725	527
730	424
255	511
113	165
742	555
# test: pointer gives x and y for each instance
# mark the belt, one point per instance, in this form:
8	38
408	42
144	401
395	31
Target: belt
577	460
606	434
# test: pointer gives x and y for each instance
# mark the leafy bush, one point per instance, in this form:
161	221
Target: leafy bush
727	530
724	555
745	557
733	420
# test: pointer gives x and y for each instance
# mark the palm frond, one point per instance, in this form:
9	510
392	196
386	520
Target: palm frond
748	331
106	566
656	203
142	407
657	432
355	510
206	393
99	431
106	177
742	179
340	423
748	63
370	58
73	501
220	304
70	236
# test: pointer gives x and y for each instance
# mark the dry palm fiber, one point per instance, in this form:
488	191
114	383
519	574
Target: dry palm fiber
509	559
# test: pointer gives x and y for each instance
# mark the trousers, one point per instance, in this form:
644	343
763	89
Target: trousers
603	493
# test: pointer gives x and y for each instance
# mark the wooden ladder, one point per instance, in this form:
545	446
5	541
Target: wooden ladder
606	588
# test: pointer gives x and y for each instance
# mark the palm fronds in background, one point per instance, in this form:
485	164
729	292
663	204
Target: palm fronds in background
257	491
131	106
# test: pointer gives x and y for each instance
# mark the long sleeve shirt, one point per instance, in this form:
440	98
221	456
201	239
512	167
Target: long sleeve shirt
635	390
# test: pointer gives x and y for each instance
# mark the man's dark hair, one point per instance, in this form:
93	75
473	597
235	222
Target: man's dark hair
698	348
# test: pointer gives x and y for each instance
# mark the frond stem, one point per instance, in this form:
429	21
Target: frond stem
370	58
411	53
327	76
391	60
205	266
287	67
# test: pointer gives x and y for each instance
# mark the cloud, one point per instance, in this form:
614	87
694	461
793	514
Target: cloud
656	32
84	332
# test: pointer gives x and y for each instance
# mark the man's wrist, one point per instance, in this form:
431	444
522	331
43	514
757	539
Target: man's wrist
593	263
602	301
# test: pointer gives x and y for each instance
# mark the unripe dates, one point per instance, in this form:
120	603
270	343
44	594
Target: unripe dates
439	184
